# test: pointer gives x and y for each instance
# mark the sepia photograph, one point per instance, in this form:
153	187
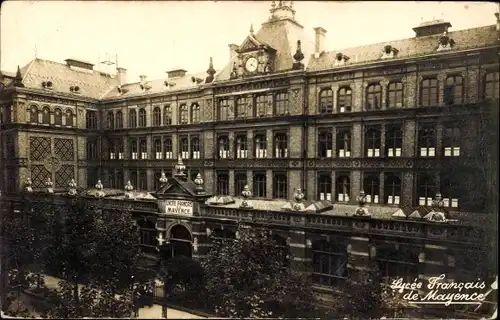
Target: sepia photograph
249	159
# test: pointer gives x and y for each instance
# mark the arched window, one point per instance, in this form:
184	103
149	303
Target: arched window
343	142
427	140
120	149
143	149
134	150
222	184
395	95
195	113
184	147
325	143
167	148
46	115
450	188
156	117
241	146
372	142
142	118
167	115
260	146
280	145
280	188
132	119
325	187
195	148
119	119
34	114
157	148
426	186
344	99
69	118
111	120
397	263
111	149
392	189
491	84
223	147
429	95
453	90
183	116
393	140
342	187
329	263
58	117
452	138
326	101
373	97
259	185
371	186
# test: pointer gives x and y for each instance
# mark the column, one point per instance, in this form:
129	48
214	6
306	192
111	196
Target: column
407	193
441	77
439	139
381	193
231	183
175	146
335	89
150	176
356	139
250	145
384	84
382	140
312	185
355	185
209	176
269	184
250	180
201	241
231	145
301	255
270	143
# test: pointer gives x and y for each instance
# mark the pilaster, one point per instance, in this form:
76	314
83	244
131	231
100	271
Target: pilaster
269	184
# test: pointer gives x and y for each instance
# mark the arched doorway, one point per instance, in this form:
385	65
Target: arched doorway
179	243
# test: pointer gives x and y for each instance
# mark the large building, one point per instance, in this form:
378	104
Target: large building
399	121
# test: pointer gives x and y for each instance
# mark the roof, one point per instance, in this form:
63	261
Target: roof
432	23
92	83
411	47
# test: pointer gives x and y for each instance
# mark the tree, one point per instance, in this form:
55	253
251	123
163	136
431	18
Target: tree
247	277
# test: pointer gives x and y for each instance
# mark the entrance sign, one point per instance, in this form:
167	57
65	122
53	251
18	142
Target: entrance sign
181	207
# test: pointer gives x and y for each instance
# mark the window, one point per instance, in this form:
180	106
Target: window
450	189
325	143
157	148
371	188
280	145
223	143
110	121
281	104
241	146
134	150
223	234
111	149
392	189
240	181
119	179
342	187
241	107
427	140
142	118
395	95
58	117
259	185
425	189
91	119
33	114
451	140
344	99
326	101
167	115
282	245
167	148
69	118
148	233
156	117
397	263
92	150
157	176
183	118
280	187
119	119
195	148
119	148
134	179
393	140
132	119
343	143
92	176
260	146
46	115
491	84
453	91
184	147
372	142
429	95
325	187
143	148
261	106
195	113
143	181
223	184
329	263
223	109
373	97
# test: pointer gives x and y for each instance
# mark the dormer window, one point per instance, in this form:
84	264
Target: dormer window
341	59
445	42
47	85
75	89
389	52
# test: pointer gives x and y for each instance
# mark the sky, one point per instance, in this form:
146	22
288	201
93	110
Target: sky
155	36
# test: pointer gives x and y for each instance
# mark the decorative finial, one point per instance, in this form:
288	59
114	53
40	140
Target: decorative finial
180	167
100	193
163	179
49	185
298	56
210	72
128	190
298	195
18	80
251	29
72	187
246	193
198	181
27	185
234	72
362	210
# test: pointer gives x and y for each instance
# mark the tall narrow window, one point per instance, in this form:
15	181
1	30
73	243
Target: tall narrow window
111	149
261	106
451	140
453	91
142	118
372	142
184	147
241	107
157	148
395	95
46	116
195	148
429	95
329	263
491	86
167	148
110	120
450	188
58	117
223	184
119	148
240	181
183	117
34	114
223	147
119	179
393	140
260	146
241	146
91	119
342	187
92	150
373	97
156	117
69	118
134	179
343	142
325	187
259	185
325	143
119	119
326	101
344	99
280	187
426	186
143	181
427	140
392	189
167	115
143	148
132	119
371	186
281	104
157	176
280	145
223	109
195	113
134	149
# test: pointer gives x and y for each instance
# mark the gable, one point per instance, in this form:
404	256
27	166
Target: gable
176	189
249	44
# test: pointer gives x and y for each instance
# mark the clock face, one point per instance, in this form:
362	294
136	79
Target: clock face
251	64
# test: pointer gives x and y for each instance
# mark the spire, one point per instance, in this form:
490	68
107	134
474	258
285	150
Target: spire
18	80
298	57
210	71
180	167
284	10
251	29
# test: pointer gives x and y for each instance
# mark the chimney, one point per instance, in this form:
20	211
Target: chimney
232	50
176	73
121	75
497	14
143	78
319	44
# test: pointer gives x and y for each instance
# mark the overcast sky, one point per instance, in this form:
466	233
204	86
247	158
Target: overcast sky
155	36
